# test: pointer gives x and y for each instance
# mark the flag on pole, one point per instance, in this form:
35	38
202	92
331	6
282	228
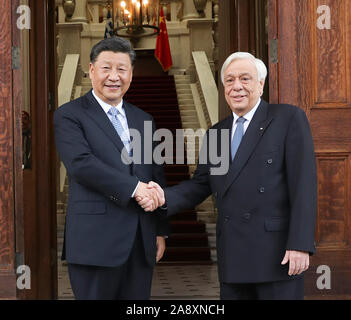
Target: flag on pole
163	51
109	26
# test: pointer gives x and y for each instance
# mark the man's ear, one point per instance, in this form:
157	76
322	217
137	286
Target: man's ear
262	86
91	69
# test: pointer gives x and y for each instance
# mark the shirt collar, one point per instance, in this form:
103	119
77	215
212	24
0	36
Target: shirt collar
106	107
248	116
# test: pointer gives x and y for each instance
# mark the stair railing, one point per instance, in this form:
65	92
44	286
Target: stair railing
65	91
207	90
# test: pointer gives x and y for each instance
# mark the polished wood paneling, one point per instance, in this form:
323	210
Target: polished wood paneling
313	72
332	224
331	63
7	236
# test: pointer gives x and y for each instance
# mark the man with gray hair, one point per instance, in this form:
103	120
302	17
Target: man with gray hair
267	200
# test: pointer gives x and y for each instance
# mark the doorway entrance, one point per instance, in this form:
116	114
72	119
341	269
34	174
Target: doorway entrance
303	70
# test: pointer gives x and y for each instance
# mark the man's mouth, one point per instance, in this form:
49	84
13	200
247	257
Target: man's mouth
239	98
112	86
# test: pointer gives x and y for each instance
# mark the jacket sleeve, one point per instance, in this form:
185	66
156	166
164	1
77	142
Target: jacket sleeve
84	167
302	184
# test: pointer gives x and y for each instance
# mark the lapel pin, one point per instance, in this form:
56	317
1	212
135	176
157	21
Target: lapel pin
261	128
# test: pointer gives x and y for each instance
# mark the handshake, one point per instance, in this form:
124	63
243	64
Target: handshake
149	196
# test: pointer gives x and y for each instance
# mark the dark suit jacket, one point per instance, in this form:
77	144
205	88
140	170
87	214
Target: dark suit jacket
267	200
102	218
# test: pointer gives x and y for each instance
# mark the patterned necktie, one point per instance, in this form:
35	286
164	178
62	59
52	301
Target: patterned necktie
238	135
119	128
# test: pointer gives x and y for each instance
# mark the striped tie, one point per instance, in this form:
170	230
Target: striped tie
119	128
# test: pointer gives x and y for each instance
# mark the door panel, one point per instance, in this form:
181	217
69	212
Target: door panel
7	172
313	71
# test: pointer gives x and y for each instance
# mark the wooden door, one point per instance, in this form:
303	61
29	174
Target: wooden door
310	66
28	195
39	181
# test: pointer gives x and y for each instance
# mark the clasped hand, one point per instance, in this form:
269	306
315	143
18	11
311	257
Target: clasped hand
150	196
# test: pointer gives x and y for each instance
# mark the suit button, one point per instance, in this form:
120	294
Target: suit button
247	216
226	218
262	190
270	161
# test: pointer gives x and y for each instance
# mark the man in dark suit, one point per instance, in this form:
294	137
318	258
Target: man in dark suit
111	246
266	200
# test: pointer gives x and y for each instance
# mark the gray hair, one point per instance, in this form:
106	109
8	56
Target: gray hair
260	66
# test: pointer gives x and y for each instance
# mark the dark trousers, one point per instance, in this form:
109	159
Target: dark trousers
279	290
131	281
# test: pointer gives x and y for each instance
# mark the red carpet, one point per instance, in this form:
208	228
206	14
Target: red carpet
188	242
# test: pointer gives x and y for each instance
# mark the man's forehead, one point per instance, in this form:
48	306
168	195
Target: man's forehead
112	57
241	66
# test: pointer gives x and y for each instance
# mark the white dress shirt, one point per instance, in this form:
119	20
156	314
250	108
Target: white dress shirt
121	112
247	116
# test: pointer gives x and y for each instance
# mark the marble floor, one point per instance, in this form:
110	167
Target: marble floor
178	282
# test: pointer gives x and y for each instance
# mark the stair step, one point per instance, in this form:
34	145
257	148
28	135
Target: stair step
193	254
185	96
187	227
185	106
187	240
183	86
186	262
185	216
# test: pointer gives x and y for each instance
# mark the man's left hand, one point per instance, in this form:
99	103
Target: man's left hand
160	246
299	261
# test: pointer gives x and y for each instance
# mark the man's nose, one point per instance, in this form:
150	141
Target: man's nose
237	85
114	75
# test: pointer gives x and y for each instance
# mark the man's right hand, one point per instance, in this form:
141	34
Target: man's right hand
148	196
146	203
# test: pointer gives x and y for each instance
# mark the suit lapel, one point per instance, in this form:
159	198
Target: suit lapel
98	115
253	134
132	119
136	123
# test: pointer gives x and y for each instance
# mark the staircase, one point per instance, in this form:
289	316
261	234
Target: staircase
188	242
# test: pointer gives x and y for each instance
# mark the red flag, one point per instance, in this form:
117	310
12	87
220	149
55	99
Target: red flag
162	51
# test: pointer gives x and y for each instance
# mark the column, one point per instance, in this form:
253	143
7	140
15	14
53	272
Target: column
80	12
189	11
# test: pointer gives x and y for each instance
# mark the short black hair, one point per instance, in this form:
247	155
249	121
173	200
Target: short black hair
114	44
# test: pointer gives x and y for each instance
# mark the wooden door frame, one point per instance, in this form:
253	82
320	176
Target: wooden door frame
40	242
7	156
28	197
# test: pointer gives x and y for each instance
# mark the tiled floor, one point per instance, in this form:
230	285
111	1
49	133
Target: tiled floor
188	282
